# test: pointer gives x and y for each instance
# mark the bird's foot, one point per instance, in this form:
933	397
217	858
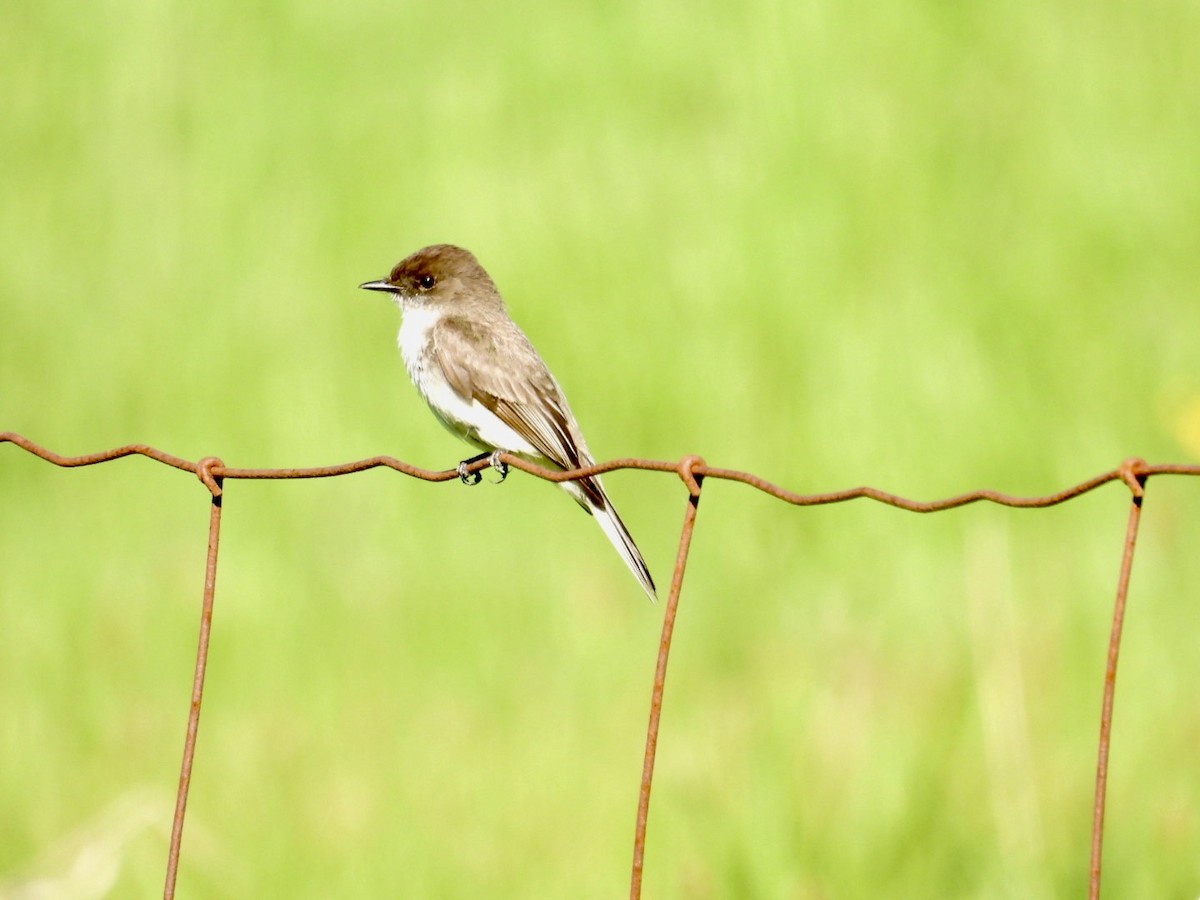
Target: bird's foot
466	477
499	465
475	477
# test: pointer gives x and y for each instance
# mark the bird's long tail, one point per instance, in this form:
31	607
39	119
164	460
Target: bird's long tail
597	503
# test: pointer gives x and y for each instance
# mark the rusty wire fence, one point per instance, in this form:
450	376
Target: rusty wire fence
692	471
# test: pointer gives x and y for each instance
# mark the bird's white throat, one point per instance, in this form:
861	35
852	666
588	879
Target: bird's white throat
415	324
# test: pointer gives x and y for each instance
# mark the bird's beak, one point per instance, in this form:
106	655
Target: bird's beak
381	285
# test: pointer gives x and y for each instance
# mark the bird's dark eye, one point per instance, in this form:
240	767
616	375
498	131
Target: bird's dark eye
425	282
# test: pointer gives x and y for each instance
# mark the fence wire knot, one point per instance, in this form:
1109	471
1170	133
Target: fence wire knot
1133	472
686	470
204	471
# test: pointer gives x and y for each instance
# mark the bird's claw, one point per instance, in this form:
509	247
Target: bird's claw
499	465
493	458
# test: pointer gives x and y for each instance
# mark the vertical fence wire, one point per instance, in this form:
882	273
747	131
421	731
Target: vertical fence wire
193	724
660	672
1136	485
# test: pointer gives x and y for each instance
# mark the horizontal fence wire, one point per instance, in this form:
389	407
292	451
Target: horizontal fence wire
693	471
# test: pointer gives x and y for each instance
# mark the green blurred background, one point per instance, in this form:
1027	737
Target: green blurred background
925	246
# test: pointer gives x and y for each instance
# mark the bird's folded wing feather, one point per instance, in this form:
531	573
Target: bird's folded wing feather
521	393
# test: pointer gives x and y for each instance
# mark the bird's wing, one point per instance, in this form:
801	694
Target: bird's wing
522	393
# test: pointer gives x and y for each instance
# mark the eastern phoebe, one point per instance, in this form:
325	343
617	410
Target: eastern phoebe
485	382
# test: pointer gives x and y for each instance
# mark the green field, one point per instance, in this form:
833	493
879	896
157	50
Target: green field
923	246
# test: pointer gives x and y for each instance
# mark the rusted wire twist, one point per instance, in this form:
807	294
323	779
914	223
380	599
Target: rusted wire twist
692	470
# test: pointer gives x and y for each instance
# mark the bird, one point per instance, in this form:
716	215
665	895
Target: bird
485	382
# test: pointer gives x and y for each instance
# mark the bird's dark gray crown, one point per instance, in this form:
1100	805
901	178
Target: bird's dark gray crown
441	262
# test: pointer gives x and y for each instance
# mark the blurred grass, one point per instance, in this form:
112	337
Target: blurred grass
925	247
